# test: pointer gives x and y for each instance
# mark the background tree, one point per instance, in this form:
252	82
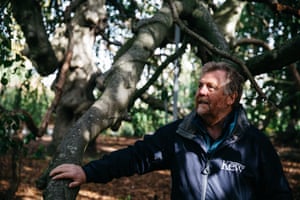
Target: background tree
149	42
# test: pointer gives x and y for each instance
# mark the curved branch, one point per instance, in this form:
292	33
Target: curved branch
61	80
215	50
277	58
253	41
28	15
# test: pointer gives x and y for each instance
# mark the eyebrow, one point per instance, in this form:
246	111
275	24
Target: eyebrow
213	84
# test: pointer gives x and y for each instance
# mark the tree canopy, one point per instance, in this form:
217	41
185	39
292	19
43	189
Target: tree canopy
137	61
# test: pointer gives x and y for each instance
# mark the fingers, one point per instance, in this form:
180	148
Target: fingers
61	171
69	171
74	184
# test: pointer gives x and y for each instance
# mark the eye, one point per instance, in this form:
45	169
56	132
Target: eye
200	85
211	87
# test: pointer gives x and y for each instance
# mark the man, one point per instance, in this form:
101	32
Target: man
213	153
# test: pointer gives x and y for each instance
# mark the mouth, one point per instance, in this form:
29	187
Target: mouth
201	101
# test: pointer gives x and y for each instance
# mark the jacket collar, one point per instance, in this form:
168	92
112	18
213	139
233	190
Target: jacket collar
188	128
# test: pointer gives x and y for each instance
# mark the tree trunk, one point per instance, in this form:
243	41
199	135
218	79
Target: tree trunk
76	92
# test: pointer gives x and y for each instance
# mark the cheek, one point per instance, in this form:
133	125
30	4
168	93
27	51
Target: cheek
218	101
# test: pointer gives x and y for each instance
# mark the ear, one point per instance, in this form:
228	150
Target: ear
231	98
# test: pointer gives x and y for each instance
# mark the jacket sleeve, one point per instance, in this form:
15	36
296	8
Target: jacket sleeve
144	156
274	184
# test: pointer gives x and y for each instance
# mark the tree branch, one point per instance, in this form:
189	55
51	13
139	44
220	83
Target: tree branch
58	93
28	15
159	70
277	58
215	50
253	41
61	79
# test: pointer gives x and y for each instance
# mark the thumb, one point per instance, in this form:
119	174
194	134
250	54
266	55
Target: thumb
74	184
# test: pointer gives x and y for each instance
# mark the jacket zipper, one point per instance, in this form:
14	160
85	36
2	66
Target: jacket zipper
207	170
206	173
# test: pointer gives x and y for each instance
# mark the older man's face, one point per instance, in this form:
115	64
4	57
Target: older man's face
210	99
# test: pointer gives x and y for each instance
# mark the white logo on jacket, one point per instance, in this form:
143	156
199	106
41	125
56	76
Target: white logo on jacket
232	166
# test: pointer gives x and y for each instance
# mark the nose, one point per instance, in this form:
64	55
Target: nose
202	90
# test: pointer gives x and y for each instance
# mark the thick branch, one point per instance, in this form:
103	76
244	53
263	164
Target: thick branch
228	16
28	15
200	21
277	58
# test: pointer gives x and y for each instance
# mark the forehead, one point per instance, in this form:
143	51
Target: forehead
217	76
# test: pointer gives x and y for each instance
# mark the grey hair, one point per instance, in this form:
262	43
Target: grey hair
234	81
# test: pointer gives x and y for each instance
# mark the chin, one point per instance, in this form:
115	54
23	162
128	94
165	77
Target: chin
201	111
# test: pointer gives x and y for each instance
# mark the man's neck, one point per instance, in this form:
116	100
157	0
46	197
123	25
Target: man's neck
215	129
214	125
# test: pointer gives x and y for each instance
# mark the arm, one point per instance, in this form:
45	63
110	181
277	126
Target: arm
144	156
124	162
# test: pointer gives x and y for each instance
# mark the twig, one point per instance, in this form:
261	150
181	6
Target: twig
61	81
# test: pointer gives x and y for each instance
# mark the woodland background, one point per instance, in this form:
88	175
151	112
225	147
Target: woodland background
87	72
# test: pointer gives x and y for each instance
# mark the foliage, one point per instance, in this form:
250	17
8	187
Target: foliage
17	92
23	90
9	125
20	88
259	21
16	98
145	121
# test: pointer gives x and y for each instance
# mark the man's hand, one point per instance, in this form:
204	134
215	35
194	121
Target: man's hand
69	171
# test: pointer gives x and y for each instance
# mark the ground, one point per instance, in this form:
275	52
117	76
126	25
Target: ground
152	186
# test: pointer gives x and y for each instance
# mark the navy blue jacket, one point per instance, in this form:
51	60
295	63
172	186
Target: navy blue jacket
240	165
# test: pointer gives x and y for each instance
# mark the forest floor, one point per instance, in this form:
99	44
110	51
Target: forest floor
151	186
